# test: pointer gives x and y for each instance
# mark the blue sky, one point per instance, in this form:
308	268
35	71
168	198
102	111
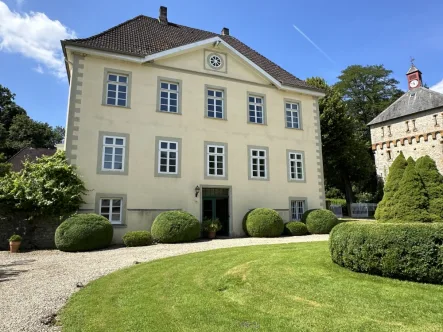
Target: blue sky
350	32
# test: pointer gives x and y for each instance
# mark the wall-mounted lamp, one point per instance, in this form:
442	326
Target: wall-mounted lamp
197	190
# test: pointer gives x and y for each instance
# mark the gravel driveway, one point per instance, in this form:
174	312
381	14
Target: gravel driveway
35	285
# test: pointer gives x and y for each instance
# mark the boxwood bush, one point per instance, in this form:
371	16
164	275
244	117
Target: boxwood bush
83	232
295	228
404	251
321	221
264	222
306	214
137	239
243	224
175	226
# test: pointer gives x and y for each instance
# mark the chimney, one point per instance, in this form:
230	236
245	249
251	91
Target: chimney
163	17
225	32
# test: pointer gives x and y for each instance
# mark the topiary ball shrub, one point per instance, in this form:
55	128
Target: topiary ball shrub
264	222
137	239
321	221
295	228
175	226
243	224
306	214
411	251
83	232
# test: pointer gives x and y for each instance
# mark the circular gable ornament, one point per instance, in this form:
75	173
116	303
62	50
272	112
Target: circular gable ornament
215	61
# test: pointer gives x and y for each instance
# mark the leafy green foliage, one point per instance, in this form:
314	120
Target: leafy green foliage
410	200
433	182
244	221
5	167
295	228
403	251
306	214
48	186
18	130
264	222
321	221
137	239
175	226
211	225
15	238
384	212
84	232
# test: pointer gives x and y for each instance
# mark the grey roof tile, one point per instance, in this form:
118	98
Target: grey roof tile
414	101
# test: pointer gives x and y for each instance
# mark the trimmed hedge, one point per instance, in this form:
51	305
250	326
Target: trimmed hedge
306	214
175	227
84	232
243	224
321	221
137	239
264	222
295	228
404	251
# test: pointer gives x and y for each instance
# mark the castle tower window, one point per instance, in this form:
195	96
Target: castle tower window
413	124
407	126
382	131
435	120
389	131
389	155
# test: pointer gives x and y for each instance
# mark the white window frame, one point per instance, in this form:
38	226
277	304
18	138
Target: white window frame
168	150
113	146
117	84
255	104
298	164
258	158
215	155
215	98
292	115
169	91
296	204
111	205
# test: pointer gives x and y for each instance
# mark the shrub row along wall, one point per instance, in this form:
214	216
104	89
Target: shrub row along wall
37	233
403	251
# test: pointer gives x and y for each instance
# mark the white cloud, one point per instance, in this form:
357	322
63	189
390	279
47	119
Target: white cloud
34	36
39	69
20	2
438	87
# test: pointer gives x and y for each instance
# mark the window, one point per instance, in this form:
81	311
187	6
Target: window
113	153
112	209
297	209
258	163
292	114
295	164
117	86
256	109
389	155
215	61
216	160
168	156
215	103
169	97
389	131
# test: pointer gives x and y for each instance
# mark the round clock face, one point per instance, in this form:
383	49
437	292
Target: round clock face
413	83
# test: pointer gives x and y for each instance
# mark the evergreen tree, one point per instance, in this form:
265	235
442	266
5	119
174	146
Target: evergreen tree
433	182
383	212
410	200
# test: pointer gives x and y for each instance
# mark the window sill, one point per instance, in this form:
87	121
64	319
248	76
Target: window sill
222	119
119	225
112	172
211	177
258	179
257	124
176	113
296	181
166	175
301	129
116	106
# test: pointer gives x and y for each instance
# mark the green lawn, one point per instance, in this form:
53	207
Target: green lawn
291	287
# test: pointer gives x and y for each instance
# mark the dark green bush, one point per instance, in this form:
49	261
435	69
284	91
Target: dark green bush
306	214
243	224
83	232
137	239
295	228
175	226
321	221
264	222
404	251
15	238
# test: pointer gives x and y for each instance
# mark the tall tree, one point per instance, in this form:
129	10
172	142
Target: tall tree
367	91
433	182
345	157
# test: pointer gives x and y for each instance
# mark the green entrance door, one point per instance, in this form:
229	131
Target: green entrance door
216	205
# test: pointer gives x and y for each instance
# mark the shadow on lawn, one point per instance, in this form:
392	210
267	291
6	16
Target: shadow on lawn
7	271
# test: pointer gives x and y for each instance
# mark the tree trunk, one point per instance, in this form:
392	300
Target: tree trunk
348	192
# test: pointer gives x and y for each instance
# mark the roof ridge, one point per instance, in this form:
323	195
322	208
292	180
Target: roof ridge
106	31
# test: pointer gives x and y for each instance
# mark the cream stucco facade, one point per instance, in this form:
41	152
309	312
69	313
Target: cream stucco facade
145	194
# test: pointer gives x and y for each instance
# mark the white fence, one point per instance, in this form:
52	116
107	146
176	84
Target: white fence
362	210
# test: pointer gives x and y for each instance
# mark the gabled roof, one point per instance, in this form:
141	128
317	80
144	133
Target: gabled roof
28	153
414	101
412	69
143	36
